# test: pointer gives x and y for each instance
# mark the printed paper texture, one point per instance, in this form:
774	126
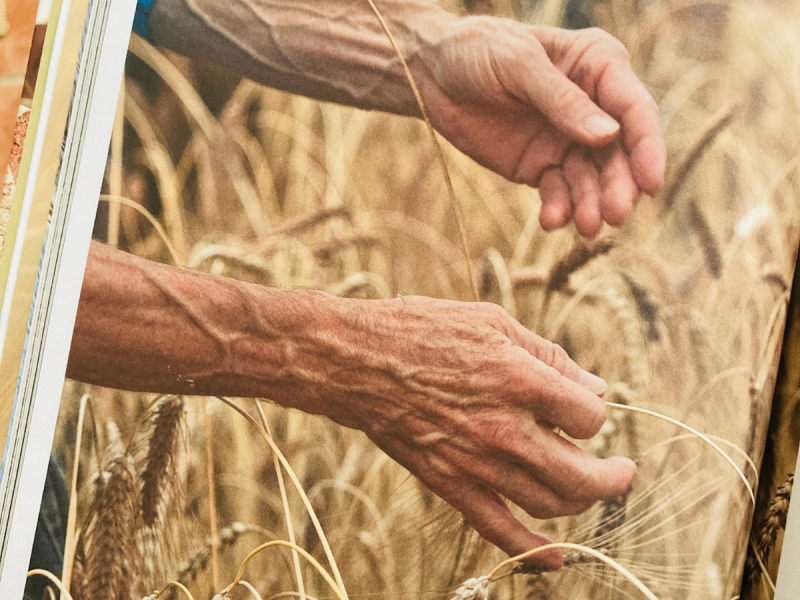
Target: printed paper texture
682	311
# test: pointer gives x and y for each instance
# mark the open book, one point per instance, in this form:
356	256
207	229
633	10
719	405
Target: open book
157	495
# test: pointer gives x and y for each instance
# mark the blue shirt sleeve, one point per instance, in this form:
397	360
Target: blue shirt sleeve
143	8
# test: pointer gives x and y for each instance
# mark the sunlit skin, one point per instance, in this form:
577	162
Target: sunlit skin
575	122
461	394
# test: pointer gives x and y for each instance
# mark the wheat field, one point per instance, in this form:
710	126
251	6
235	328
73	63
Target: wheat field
681	310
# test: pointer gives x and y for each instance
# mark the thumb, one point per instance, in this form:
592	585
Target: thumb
565	104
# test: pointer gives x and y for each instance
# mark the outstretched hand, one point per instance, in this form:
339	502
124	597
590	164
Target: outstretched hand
555	109
466	398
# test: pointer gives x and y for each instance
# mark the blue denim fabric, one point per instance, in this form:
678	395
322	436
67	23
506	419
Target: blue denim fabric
143	8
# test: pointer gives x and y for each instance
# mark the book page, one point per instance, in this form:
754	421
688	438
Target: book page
59	172
188	442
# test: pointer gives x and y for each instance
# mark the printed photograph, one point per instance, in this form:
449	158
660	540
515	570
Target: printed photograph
456	300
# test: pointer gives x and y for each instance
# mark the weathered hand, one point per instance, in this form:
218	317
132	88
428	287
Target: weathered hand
466	398
535	104
459	393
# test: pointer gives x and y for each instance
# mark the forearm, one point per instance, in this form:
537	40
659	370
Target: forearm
332	50
143	326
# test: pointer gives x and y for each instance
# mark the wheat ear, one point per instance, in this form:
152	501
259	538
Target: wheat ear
774	521
158	474
111	548
583	550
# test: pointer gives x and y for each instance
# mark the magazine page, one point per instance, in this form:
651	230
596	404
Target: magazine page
262	392
17	20
33	109
58	178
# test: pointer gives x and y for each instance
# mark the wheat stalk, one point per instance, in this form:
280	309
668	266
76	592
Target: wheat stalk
457	209
301	588
226	538
296	482
325	575
55	580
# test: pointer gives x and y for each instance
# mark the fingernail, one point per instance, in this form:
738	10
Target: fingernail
593	383
601	126
621	460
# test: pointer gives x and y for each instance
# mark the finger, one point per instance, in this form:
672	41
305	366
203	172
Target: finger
618	188
541	349
565	104
584	188
560	401
624	97
570	472
485	511
545	351
545	150
556	206
521	486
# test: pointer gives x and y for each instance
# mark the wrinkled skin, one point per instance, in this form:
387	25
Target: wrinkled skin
555	109
466	398
459	393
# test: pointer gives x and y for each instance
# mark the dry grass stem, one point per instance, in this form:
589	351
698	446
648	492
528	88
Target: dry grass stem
287	512
171	585
212	495
72	511
458	211
320	569
117	200
693	431
53	579
296	482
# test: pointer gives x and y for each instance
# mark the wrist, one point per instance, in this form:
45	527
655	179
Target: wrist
419	35
301	349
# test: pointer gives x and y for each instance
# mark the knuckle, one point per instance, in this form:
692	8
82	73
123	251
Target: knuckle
598	36
548	350
498	434
495	315
560	358
566	98
594	423
492	526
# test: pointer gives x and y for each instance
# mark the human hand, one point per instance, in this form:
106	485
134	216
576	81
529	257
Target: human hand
544	106
466	398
